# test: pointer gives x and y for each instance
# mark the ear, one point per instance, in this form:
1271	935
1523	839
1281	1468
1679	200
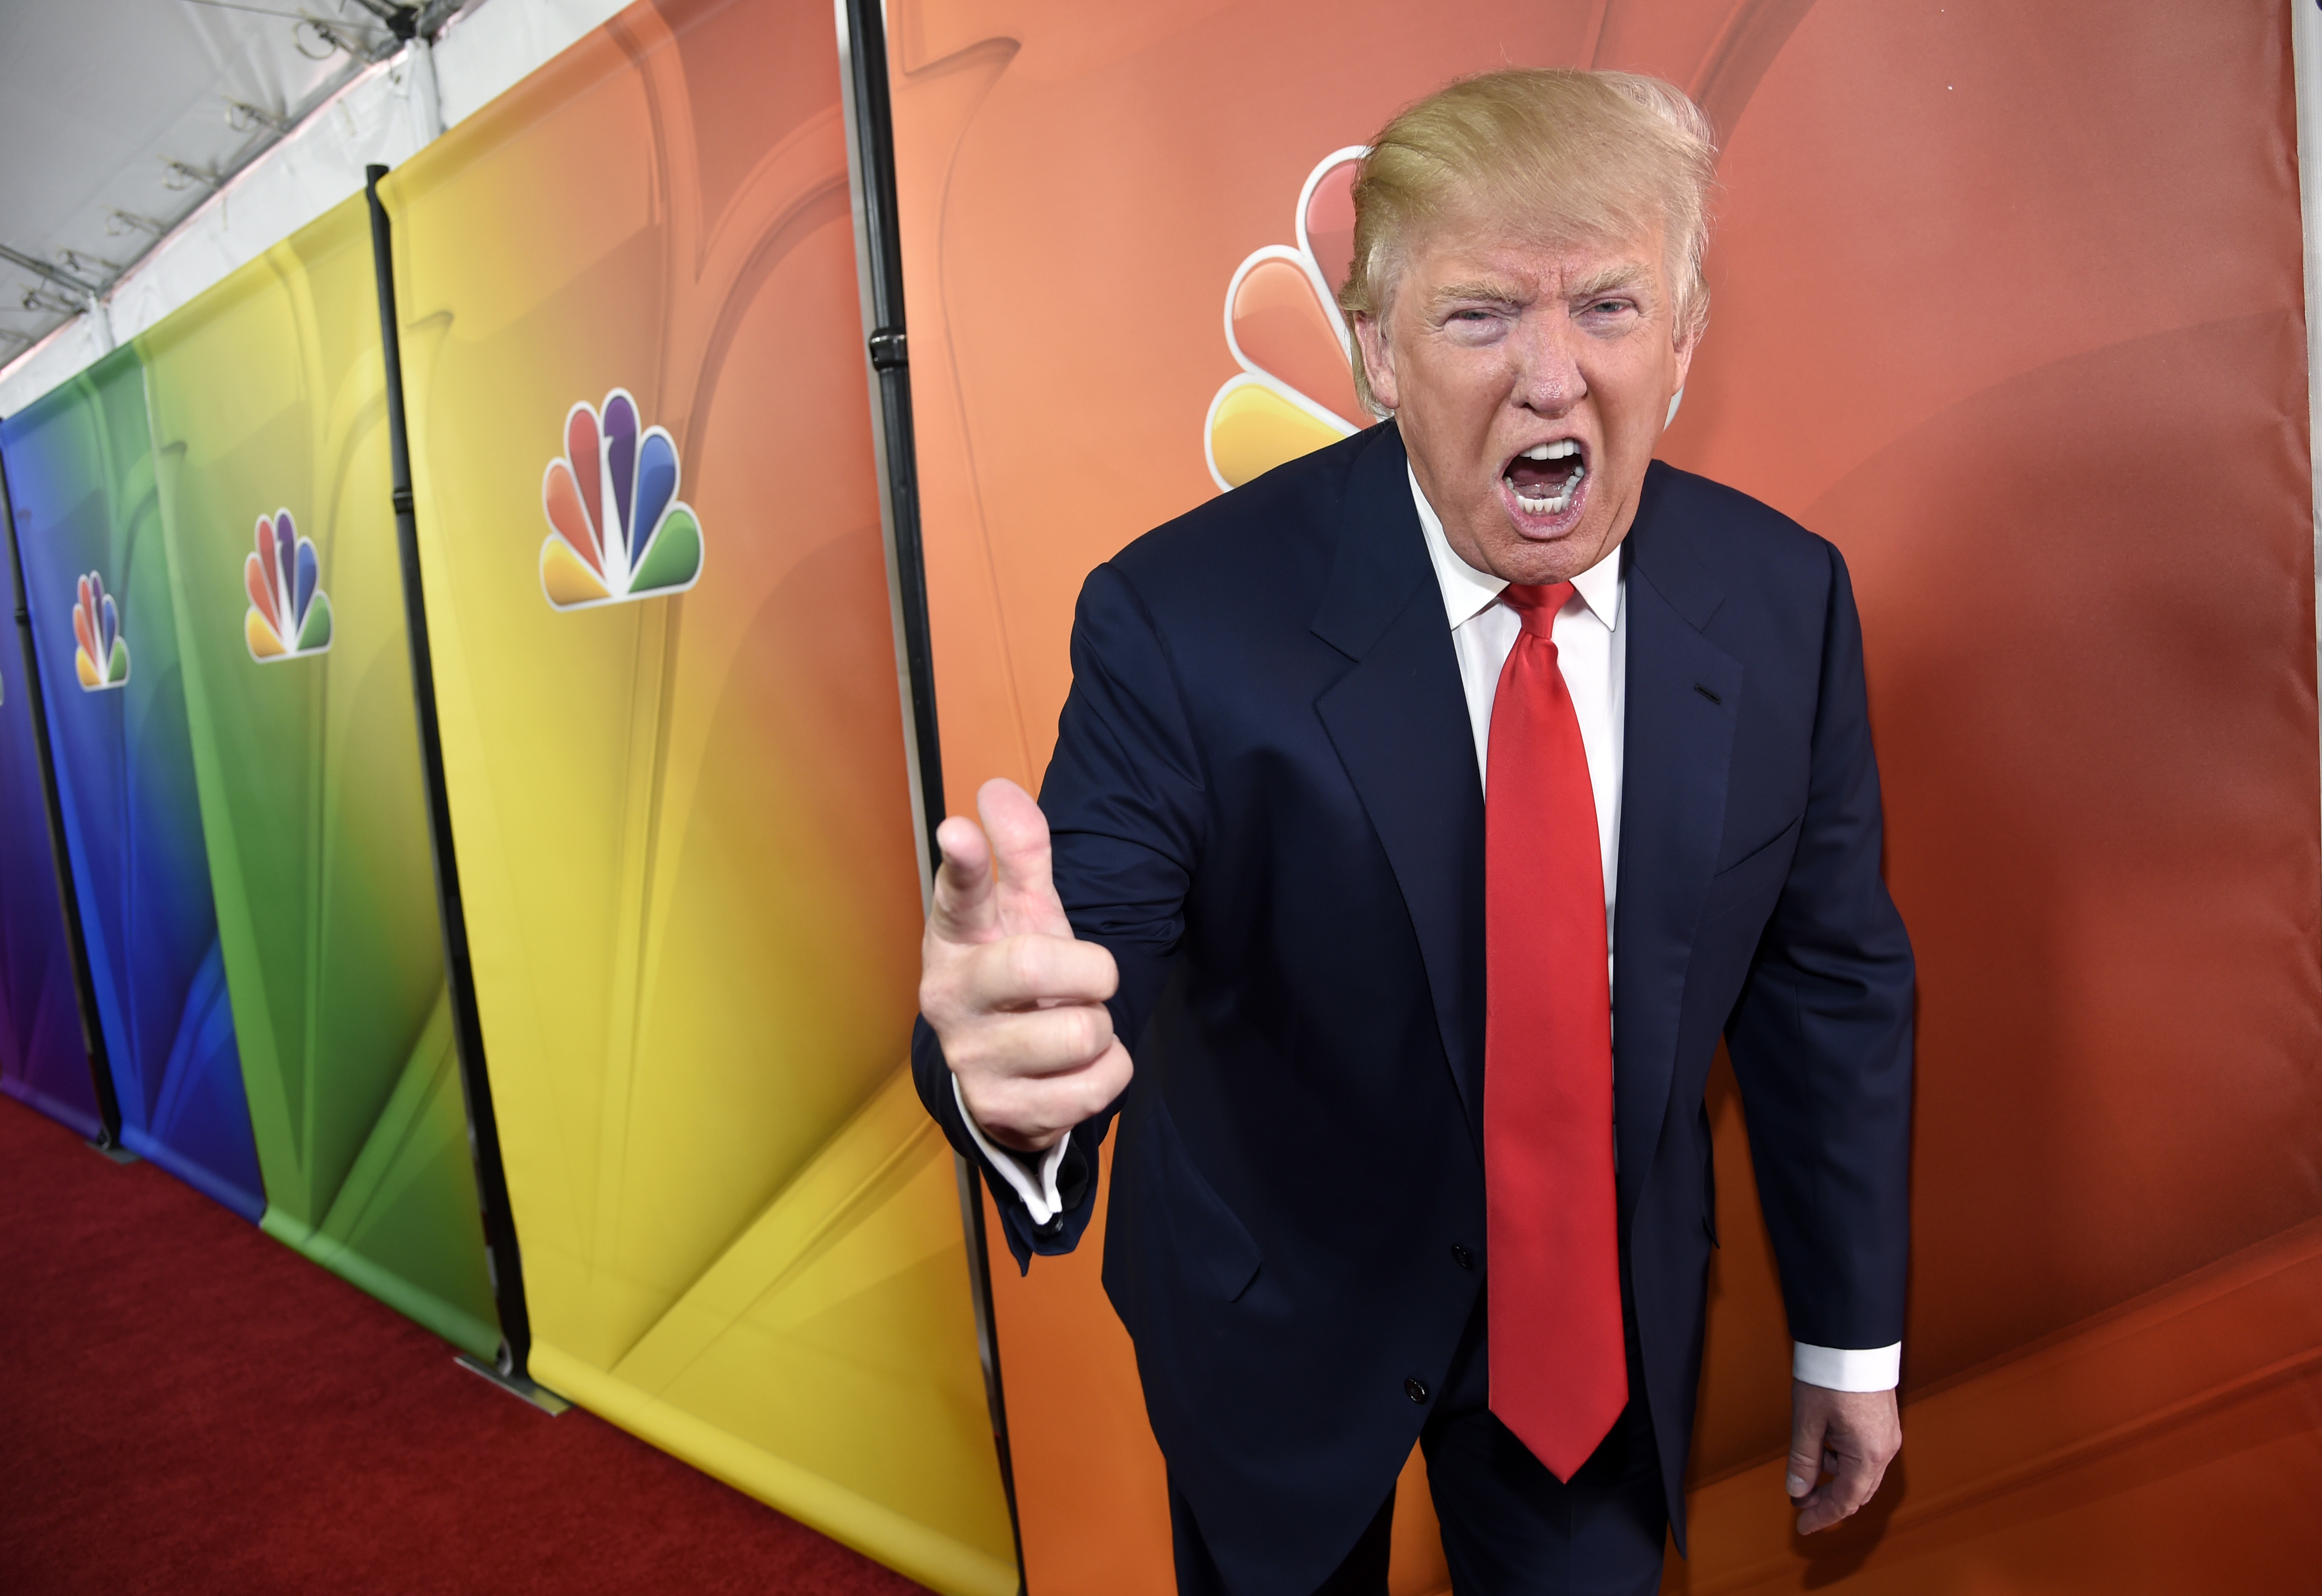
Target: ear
1685	361
1378	363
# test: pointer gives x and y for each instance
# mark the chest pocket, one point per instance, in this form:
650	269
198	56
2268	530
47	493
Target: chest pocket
1754	878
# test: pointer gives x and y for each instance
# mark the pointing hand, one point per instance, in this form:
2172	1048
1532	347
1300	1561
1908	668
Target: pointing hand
1016	999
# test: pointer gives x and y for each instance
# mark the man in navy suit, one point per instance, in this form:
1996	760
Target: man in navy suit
1422	814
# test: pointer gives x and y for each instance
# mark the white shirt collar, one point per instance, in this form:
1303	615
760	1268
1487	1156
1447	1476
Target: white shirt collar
1468	592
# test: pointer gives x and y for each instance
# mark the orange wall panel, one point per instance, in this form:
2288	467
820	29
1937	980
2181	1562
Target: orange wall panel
2007	304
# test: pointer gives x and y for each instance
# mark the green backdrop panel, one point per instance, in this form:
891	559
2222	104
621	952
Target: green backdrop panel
270	430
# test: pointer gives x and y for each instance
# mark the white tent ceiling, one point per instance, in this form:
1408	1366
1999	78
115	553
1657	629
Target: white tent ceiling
119	117
149	147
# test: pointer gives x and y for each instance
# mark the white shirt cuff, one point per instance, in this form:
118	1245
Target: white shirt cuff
1041	1199
1837	1368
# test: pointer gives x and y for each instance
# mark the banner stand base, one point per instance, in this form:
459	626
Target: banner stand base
515	1385
114	1151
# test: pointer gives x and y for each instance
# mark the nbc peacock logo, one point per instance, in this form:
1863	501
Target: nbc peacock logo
102	659
1294	392
290	614
619	531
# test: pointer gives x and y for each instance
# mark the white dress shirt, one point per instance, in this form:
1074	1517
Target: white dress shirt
1592	650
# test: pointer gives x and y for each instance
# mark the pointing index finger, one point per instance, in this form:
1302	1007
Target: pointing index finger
1021	860
965	908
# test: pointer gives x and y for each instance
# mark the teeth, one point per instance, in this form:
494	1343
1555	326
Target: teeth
1556	450
1557	505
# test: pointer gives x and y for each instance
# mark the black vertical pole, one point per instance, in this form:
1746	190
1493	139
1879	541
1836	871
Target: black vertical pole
866	49
92	1031
500	1254
891	359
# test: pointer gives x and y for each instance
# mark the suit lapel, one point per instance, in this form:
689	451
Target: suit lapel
1399	722
1684	694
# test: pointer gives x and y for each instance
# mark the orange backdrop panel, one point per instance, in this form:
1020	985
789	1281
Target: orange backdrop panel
2007	304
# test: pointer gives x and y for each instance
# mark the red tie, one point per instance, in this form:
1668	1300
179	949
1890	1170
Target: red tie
1558	1376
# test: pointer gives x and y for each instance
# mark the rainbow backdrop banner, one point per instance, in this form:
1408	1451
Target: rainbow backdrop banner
81	479
657	602
269	422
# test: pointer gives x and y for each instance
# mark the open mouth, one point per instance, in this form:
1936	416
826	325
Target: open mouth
1546	478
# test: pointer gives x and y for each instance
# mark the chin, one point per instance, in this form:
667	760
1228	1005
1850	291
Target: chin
1525	551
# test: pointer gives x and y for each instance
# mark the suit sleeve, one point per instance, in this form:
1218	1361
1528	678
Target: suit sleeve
1124	799
1821	1037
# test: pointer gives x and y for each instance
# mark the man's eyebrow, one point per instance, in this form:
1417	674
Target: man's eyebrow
1628	275
1493	293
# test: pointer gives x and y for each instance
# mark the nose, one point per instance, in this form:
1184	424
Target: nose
1548	375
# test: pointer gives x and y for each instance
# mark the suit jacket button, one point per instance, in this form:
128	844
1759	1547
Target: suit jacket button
1416	1389
1462	1256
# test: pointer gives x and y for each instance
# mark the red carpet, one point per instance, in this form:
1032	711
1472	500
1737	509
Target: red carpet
188	1406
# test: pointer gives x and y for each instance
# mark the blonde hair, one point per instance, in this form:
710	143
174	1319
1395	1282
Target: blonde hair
1582	156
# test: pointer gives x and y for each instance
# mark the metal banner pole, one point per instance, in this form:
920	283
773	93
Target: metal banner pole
501	1256
870	162
92	1032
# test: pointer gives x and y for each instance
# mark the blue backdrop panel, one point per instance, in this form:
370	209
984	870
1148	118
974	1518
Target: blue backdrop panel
81	479
42	1059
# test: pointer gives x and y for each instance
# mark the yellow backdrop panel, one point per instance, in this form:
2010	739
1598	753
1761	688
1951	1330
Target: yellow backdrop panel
656	592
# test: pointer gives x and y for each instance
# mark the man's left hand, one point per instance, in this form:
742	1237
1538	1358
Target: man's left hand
1854	1434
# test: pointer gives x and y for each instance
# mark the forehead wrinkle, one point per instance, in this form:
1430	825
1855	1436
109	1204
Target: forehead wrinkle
1625	276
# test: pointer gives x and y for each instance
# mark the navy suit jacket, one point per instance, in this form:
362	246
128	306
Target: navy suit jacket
1264	802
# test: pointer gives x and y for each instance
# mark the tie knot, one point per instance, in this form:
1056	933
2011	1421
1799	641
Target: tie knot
1536	603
